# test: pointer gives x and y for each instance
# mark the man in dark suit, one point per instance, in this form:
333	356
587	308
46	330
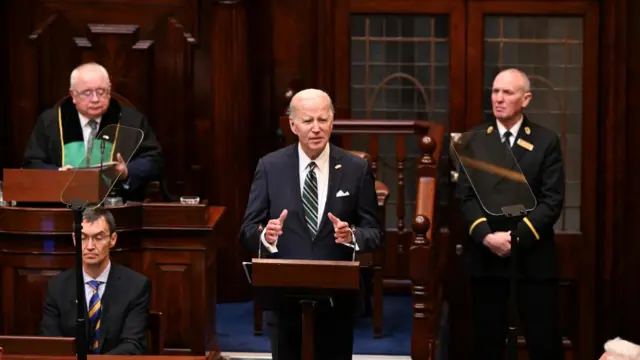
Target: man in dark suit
311	200
117	297
66	136
538	152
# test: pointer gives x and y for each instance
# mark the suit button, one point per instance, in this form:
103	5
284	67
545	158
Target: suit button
459	249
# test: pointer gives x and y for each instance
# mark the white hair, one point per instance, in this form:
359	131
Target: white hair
308	92
92	66
619	349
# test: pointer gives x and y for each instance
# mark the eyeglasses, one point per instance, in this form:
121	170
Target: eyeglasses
96	238
88	94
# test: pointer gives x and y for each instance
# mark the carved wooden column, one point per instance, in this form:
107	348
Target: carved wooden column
230	149
423	257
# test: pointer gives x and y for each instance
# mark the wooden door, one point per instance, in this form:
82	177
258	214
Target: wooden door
435	60
400	60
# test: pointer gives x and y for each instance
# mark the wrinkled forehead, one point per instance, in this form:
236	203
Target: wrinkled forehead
508	81
313	107
91	80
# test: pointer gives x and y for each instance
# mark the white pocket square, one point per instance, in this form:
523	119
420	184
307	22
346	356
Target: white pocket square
341	194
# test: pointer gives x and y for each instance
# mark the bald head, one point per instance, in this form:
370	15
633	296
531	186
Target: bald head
91	69
308	96
517	77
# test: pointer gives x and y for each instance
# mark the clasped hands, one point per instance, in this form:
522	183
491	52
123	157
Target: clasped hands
121	167
341	229
499	243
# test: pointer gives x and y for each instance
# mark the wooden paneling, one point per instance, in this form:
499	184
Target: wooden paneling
182	63
146	49
231	134
178	257
613	283
620	74
213	76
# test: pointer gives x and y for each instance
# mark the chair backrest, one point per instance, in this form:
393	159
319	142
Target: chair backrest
362	154
38	345
155	333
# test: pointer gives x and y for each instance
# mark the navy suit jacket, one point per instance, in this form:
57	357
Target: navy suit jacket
125	308
276	187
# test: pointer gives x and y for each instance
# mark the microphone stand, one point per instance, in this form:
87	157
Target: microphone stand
78	206
514	213
82	345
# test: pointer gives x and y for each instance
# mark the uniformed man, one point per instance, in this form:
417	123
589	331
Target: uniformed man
538	152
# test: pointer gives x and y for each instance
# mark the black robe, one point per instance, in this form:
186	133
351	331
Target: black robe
57	140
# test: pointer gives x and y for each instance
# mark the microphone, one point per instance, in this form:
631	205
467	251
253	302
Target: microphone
260	230
102	145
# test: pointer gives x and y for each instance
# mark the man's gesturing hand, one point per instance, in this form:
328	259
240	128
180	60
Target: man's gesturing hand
341	230
274	228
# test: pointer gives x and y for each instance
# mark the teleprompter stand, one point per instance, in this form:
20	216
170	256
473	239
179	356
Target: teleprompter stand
490	169
115	142
515	213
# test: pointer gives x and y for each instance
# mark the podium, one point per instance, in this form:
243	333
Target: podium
309	280
46	185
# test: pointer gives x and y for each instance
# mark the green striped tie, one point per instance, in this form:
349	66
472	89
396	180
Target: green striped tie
310	199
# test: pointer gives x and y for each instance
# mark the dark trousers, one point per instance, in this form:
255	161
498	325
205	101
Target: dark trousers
537	311
333	330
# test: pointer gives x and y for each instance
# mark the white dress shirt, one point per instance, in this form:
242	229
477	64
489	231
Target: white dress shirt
88	290
86	129
322	174
514	130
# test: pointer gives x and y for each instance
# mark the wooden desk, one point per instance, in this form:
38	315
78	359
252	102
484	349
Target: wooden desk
172	244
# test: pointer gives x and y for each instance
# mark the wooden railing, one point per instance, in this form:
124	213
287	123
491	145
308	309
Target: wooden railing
423	240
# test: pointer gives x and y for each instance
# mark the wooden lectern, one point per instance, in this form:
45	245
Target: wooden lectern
308	280
38	345
46	186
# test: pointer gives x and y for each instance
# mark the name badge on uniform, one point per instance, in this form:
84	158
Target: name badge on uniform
525	144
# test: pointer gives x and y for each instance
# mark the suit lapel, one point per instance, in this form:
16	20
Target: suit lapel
335	175
519	151
297	197
110	293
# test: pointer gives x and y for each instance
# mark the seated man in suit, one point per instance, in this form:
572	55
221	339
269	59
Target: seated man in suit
311	200
63	136
117	297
